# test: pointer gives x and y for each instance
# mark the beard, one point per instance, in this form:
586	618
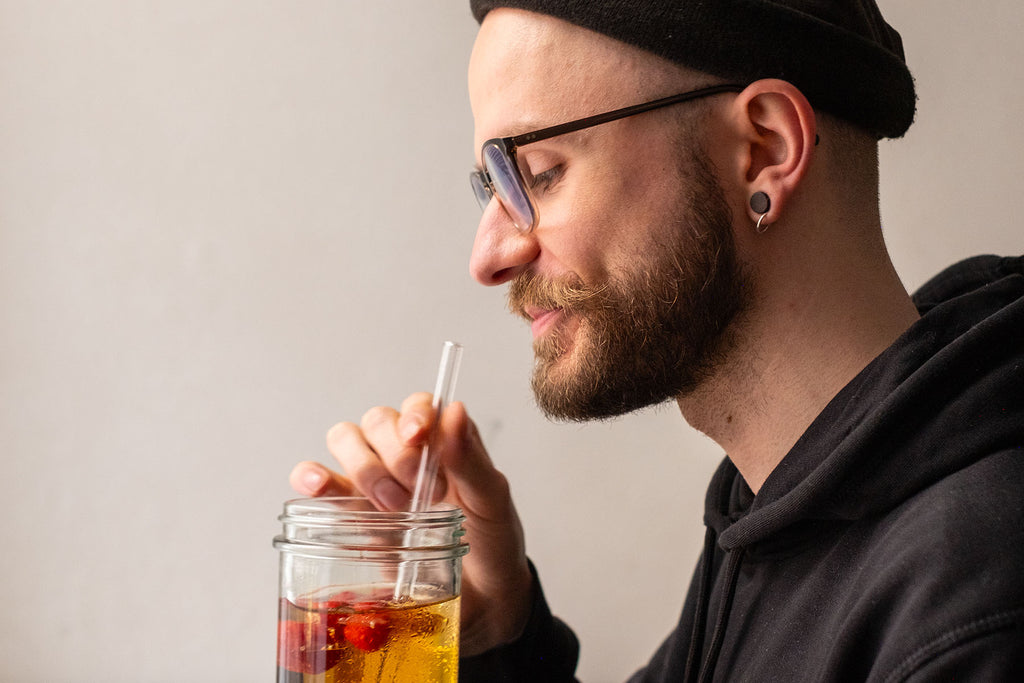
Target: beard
653	333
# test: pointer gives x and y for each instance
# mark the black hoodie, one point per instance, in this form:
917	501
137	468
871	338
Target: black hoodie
888	545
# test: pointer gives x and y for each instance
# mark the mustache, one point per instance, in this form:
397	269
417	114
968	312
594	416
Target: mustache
569	294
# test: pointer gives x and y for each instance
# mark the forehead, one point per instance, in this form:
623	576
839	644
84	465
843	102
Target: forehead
530	70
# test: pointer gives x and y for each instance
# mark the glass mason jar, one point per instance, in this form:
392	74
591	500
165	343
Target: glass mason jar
367	595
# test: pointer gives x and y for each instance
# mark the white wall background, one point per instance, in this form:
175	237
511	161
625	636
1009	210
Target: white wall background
226	225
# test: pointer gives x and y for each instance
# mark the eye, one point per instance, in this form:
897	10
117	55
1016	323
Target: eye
548	164
543	181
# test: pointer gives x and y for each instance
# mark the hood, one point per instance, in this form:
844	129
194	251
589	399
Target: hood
947	393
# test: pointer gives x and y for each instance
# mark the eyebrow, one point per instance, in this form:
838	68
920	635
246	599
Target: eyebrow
524	125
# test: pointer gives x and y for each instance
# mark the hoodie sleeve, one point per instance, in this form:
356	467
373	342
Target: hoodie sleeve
545	653
987	649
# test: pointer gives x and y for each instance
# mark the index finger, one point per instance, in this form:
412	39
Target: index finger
416	418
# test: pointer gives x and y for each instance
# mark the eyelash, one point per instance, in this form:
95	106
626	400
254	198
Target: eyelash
544	180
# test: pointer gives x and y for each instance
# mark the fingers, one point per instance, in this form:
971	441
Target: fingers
362	451
381	455
416	419
313	479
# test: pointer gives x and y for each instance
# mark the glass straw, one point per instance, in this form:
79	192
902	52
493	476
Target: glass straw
447	373
423	494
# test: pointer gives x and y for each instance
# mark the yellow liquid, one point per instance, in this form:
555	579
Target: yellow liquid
418	643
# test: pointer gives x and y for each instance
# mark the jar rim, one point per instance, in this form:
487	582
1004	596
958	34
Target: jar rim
353	527
349	509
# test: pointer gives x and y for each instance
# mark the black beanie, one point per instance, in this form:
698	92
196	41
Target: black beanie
840	53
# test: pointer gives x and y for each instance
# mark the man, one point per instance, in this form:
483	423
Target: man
723	249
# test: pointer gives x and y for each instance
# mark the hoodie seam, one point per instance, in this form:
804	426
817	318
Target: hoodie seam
953	638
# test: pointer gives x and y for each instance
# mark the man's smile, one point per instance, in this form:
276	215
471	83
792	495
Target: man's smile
541	319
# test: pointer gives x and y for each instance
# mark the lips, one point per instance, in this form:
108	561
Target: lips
544	302
542	319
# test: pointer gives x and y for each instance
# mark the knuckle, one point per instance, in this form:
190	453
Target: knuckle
418	398
376	417
341	434
421	402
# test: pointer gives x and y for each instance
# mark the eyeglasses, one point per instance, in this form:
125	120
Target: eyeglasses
501	176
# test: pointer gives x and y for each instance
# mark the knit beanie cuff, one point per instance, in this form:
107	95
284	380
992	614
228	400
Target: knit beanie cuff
841	54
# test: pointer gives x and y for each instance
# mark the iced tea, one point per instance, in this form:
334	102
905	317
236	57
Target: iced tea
344	638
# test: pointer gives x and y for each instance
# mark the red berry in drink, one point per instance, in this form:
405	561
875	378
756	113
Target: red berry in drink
367	631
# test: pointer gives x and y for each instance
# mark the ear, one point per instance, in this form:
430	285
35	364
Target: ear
777	130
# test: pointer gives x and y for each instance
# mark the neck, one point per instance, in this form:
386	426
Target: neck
816	324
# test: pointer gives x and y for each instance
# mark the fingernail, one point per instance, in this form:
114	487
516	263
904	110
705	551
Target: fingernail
388	493
410	429
313	481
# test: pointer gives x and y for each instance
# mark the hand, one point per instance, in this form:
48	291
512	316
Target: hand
380	458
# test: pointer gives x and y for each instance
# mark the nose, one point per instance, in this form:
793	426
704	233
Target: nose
501	250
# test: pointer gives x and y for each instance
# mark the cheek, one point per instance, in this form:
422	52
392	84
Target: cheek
584	233
596	237
608	215
629	208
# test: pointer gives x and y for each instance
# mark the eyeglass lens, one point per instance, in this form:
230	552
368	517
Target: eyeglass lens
507	186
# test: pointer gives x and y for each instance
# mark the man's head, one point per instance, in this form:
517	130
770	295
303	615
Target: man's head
841	54
634	275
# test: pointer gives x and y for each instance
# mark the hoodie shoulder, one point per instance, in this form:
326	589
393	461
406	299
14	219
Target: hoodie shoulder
967	276
946	394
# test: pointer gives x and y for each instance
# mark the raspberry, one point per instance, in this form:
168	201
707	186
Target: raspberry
367	631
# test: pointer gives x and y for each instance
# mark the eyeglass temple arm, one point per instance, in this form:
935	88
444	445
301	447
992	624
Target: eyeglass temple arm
597	119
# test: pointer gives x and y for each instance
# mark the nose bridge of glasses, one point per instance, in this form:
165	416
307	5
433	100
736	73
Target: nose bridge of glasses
483	190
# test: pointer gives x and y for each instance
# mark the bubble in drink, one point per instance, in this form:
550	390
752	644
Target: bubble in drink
348	639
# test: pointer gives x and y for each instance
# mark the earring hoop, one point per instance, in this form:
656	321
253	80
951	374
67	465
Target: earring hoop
758	228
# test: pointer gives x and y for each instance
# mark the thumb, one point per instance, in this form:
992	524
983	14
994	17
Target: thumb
482	490
497	582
